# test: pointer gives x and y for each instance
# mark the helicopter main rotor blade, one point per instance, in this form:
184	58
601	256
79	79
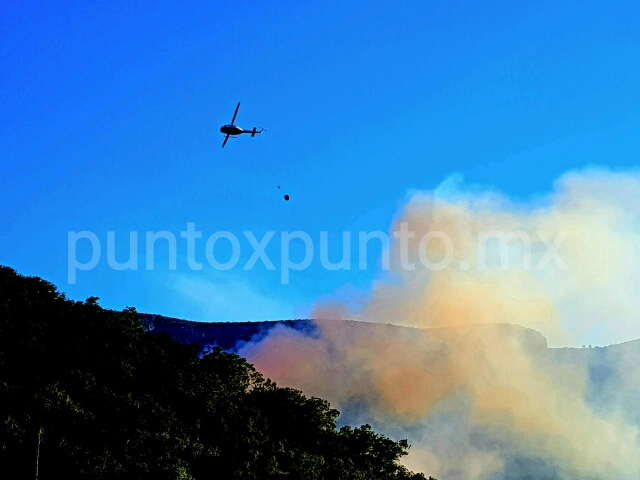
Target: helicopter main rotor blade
234	114
225	141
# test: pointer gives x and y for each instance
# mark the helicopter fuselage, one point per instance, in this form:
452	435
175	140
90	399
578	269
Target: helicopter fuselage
232	130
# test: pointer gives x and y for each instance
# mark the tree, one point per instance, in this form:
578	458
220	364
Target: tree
116	401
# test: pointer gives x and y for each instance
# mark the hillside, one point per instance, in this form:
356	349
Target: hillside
121	394
407	381
91	395
231	336
605	366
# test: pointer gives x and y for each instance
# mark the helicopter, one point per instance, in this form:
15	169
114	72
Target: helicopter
232	130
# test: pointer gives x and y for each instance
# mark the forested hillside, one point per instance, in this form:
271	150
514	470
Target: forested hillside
86	393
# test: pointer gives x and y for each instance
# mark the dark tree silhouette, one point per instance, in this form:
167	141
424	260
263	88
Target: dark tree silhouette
85	393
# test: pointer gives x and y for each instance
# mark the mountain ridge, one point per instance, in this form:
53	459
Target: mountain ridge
188	330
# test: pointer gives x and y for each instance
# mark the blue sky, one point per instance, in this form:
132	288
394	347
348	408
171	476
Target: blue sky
110	115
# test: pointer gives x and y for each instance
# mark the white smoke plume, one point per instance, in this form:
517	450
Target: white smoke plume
478	398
